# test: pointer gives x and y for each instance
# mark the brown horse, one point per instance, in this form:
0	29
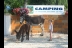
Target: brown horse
24	29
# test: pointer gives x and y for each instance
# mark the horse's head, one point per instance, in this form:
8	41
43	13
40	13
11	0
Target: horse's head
18	35
22	18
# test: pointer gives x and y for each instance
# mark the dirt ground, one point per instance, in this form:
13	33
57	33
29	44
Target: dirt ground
36	41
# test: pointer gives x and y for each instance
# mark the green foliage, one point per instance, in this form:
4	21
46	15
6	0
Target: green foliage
12	4
19	3
49	2
37	2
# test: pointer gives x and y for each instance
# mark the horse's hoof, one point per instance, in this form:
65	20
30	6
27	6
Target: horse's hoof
27	39
41	34
17	41
21	40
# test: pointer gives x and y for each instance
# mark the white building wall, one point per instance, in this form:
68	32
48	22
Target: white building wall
7	22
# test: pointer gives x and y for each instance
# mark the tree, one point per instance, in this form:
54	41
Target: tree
49	2
25	3
37	2
13	4
56	2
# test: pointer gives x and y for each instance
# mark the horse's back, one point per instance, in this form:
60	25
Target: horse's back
37	20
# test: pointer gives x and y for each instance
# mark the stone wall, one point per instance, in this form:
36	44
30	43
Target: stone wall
60	23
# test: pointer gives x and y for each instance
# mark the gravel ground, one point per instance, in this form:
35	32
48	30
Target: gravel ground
59	41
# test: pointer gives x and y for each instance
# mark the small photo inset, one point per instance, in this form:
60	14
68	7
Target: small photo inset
30	9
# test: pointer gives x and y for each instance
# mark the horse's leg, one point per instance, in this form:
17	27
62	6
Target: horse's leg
28	31
42	27
31	30
27	35
22	37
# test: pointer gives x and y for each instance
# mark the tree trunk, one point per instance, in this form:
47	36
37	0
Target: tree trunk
25	3
56	2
